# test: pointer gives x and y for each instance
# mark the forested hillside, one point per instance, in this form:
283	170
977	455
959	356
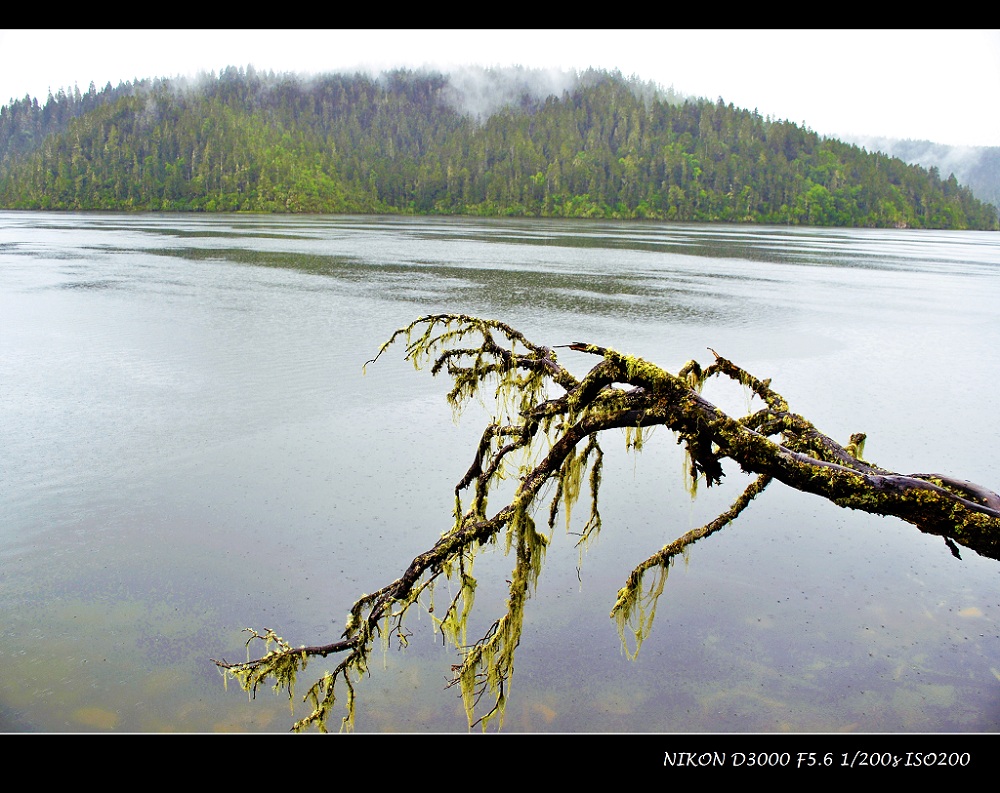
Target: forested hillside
606	147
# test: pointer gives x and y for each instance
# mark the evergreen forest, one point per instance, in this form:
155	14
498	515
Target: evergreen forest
606	146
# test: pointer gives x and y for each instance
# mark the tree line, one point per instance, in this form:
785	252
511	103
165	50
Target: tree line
607	147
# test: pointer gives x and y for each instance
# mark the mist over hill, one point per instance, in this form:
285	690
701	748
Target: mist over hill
977	167
498	142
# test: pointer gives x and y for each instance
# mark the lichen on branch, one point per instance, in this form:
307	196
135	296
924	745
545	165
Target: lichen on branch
548	416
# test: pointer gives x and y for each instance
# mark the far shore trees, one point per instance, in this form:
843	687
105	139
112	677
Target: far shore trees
606	147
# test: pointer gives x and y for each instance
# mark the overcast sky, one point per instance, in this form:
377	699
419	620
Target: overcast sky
942	86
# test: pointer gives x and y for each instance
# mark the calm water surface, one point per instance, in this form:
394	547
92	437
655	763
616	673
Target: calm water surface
189	448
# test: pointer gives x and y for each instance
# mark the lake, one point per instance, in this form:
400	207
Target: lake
190	448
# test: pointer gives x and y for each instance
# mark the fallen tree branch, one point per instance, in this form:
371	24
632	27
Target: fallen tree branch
619	391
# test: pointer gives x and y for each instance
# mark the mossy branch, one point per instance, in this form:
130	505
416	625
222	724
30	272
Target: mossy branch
542	408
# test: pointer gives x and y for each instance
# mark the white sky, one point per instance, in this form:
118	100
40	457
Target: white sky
942	86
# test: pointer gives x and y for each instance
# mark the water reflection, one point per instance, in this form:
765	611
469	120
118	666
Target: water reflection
644	294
